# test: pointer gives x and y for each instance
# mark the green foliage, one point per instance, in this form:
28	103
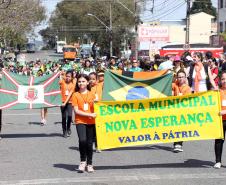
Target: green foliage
19	19
203	6
70	20
224	35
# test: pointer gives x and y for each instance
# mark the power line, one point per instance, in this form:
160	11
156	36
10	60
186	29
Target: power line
166	13
159	12
154	6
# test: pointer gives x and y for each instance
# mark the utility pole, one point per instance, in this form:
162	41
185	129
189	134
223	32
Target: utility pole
136	28
187	39
110	30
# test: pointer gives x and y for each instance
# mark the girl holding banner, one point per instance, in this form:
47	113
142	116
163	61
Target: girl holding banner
83	102
96	88
67	87
219	142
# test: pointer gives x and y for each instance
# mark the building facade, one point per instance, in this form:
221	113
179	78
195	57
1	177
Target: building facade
221	15
202	26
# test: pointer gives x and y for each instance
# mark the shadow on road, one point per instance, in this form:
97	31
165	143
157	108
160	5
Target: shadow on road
34	123
69	167
74	148
9	123
56	55
57	122
190	163
30	135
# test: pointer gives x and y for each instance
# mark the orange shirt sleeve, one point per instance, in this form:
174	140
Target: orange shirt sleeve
185	89
62	89
222	95
174	89
99	91
74	100
60	82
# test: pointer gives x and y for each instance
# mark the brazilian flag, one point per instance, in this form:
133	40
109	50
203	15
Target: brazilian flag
119	86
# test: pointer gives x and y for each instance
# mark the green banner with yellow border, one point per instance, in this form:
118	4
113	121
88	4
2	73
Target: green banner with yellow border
162	120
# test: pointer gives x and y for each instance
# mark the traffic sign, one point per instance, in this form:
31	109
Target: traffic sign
186	47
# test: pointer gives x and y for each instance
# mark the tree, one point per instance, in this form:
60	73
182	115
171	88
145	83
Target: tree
70	20
19	19
223	35
203	6
48	37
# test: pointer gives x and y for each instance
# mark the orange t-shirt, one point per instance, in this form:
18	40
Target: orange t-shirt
180	90
97	91
80	100
223	102
66	89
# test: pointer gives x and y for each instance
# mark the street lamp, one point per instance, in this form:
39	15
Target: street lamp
109	28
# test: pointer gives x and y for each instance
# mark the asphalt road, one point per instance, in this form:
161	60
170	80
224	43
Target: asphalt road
34	154
42	55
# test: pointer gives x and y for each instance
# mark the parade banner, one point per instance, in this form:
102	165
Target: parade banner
140	85
163	120
28	92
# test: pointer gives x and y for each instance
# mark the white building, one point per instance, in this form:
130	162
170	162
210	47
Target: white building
202	26
222	15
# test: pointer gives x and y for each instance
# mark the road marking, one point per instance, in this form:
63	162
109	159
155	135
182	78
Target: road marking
111	178
30	114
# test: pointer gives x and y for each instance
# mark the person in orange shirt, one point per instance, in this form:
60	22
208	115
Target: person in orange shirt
100	78
83	103
96	88
67	87
180	88
219	142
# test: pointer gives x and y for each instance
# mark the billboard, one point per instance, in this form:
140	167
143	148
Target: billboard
153	33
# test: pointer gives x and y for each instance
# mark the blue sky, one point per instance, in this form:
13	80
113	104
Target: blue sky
163	9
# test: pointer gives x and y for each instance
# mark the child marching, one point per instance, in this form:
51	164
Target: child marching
67	87
83	102
219	142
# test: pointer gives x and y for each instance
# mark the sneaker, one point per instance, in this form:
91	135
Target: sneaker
94	146
178	148
90	169
217	165
43	122
98	151
69	132
64	134
82	166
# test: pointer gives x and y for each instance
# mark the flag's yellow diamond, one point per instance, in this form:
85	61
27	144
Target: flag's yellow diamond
136	91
